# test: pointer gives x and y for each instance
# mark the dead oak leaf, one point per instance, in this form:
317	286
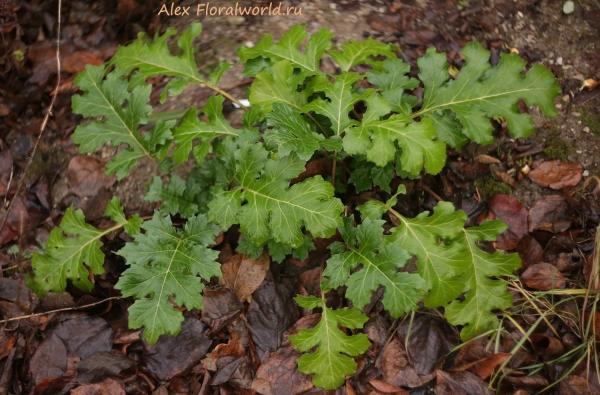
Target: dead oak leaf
243	276
543	276
556	174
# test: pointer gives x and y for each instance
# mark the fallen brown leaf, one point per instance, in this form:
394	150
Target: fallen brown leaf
107	387
575	385
512	212
486	159
278	374
551	214
543	276
483	368
243	275
86	176
556	174
387	388
397	369
75	63
460	383
549	347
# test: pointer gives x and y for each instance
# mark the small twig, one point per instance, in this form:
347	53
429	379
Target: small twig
333	169
12	169
46	118
429	191
59	310
590	99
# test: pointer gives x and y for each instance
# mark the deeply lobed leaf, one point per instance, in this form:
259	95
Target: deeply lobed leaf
266	207
167	262
68	258
482	294
481	91
380	263
121	112
331	362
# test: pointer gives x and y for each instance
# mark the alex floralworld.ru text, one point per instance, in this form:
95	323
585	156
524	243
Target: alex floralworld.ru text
207	9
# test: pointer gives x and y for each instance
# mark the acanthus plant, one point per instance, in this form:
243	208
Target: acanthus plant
299	112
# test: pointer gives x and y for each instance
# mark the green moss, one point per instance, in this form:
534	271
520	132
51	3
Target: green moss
490	186
590	120
557	148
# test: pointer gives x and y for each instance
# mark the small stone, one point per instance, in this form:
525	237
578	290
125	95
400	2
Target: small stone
520	14
578	151
250	44
558	106
568	7
586	173
559	60
236	20
586	130
576	114
566	98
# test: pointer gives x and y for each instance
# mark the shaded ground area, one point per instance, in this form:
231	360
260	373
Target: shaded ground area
542	186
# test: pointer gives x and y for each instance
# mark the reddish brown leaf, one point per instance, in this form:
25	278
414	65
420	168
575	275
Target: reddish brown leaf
4	110
543	276
279	374
469	171
556	174
314	167
387	388
512	212
548	347
506	178
86	175
483	368
231	349
551	214
396	367
76	62
460	383
107	387
575	385
243	276
534	381
49	359
530	251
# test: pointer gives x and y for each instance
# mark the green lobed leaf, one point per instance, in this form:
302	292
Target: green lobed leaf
290	132
481	92
353	53
276	87
191	128
68	258
331	362
288	49
366	175
391	78
266	207
277	251
121	112
482	294
440	265
375	137
380	263
176	199
340	101
167	262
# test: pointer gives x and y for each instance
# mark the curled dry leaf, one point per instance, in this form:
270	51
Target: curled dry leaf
551	214
506	178
512	212
279	374
243	275
556	174
387	388
589	83
76	62
107	387
486	159
397	369
484	367
543	276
